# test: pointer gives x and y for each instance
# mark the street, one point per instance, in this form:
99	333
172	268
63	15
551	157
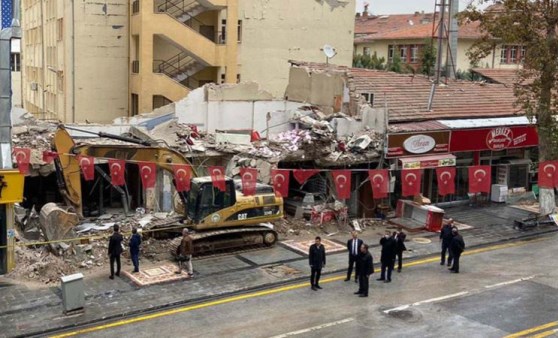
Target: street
501	290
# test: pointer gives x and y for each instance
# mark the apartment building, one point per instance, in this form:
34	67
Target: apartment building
95	61
407	34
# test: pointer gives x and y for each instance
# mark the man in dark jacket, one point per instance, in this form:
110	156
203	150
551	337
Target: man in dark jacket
399	237
184	253
388	256
445	237
134	244
317	260
457	246
366	265
114	251
353	246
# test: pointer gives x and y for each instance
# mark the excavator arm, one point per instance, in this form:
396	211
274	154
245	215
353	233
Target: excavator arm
69	169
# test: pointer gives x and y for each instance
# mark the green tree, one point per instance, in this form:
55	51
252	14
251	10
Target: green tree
369	62
532	24
428	58
396	65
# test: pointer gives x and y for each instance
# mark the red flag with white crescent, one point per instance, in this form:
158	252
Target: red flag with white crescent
280	179
116	168
479	179
342	180
218	177
182	176
148	172
249	178
49	156
410	182
22	157
548	177
379	180
87	165
446	180
302	175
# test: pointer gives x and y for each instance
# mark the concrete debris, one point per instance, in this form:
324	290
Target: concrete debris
88	227
57	223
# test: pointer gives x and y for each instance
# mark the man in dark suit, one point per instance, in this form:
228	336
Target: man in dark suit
445	237
134	244
457	246
114	251
366	264
399	237
317	260
353	246
388	256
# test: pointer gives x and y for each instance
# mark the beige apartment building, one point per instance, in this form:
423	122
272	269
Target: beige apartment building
406	34
96	61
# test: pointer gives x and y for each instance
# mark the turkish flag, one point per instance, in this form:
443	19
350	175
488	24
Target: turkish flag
302	175
116	168
22	157
342	179
548	177
410	182
379	180
87	165
249	178
182	176
218	177
49	156
148	172
280	179
479	178
446	180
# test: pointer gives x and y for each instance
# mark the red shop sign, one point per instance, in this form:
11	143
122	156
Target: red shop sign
498	138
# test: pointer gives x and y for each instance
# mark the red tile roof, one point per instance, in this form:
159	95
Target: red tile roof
406	96
405	26
503	76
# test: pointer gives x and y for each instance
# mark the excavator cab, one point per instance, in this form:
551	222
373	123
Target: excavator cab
205	199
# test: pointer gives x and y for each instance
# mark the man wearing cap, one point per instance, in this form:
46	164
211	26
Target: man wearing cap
184	253
445	237
456	248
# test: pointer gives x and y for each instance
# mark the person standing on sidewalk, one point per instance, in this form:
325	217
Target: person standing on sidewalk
114	251
353	246
457	247
317	260
388	256
366	264
134	244
445	237
399	237
184	253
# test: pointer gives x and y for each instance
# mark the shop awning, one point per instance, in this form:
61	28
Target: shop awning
430	161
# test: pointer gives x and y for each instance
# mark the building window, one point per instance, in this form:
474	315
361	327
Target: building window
366	51
134	105
408	53
59	29
15	62
512	54
239	31
223	78
223	34
237	78
369	97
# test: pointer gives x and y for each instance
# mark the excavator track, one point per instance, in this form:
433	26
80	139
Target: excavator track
228	240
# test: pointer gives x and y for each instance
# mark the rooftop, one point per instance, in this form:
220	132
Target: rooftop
405	26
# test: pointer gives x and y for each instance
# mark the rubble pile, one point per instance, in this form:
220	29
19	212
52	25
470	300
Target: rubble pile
37	136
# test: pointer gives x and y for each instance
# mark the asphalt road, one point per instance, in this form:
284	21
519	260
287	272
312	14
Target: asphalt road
501	290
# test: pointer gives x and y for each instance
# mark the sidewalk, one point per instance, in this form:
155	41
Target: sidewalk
24	311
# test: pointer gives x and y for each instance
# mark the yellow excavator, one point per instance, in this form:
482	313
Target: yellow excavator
220	219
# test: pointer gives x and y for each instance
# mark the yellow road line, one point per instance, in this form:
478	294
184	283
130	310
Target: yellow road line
266	293
532	330
545	334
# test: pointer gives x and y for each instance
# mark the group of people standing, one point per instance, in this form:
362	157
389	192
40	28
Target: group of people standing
393	245
115	249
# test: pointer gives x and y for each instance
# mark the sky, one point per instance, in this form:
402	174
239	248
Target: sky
402	6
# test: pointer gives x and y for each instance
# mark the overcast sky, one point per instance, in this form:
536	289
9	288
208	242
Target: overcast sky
402	6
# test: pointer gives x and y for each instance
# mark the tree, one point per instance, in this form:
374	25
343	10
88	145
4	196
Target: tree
369	62
532	24
427	58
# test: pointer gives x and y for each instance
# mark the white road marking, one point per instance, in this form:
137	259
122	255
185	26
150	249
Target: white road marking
459	294
314	328
510	282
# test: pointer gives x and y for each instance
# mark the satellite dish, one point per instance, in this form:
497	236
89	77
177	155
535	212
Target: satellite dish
329	51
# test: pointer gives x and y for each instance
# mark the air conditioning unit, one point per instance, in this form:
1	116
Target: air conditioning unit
34	86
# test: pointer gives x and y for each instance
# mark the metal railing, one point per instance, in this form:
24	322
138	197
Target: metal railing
176	65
